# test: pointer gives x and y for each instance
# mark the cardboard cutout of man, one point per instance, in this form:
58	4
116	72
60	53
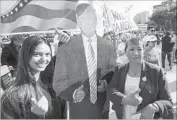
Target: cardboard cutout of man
84	66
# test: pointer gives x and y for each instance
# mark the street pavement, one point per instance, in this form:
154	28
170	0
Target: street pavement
171	78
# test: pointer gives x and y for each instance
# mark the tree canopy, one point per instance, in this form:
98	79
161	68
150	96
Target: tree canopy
165	18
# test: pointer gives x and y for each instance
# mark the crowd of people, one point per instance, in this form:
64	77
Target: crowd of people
86	73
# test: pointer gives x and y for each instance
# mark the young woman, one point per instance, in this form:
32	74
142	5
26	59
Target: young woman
139	89
28	97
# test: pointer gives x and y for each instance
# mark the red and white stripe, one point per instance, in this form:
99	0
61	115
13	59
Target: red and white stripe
40	15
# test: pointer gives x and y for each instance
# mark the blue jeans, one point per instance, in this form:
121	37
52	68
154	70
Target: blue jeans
169	54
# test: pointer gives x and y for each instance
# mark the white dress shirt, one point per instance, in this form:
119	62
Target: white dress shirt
86	45
94	46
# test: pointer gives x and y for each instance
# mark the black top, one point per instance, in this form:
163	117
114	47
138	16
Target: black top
18	107
167	45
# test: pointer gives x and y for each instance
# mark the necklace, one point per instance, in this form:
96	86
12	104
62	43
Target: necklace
134	73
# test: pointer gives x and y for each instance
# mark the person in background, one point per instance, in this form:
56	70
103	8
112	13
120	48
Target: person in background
158	38
107	36
174	39
151	53
28	97
139	90
10	53
122	58
150	31
167	48
0	50
80	68
1	92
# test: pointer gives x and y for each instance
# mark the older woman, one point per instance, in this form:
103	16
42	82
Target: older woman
139	87
151	53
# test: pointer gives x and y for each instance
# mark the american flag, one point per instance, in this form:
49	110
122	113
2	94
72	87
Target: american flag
39	15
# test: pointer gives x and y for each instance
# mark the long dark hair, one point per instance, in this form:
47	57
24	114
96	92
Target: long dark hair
25	85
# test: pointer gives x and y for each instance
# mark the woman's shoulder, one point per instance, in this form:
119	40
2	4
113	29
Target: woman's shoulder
158	50
122	66
17	93
10	100
12	93
13	101
152	67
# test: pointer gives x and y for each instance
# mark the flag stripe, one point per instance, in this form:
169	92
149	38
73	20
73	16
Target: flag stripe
42	13
24	29
54	5
39	15
37	23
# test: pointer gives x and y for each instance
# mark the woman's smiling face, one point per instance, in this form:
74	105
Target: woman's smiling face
134	52
40	58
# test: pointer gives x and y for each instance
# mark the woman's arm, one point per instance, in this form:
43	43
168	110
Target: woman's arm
115	95
164	100
10	109
159	58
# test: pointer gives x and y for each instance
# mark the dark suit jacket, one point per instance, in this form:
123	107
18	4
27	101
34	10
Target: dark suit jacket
154	89
71	72
10	55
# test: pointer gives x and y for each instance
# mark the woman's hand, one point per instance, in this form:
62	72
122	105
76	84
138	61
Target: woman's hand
102	86
147	112
132	99
11	68
62	37
79	94
40	107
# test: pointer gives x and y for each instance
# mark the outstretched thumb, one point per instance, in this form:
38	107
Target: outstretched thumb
56	30
136	92
100	81
81	87
33	100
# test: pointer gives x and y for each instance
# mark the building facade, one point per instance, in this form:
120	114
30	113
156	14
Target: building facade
141	18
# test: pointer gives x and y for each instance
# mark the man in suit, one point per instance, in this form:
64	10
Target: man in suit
83	68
